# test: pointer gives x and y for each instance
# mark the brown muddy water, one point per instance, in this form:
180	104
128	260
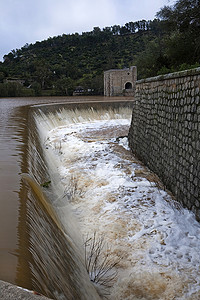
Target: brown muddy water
101	207
16	264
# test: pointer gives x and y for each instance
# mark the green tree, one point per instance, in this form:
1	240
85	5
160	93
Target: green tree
183	22
2	76
37	88
65	86
42	73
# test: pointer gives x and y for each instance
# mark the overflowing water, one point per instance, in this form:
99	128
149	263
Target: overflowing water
35	252
101	195
87	203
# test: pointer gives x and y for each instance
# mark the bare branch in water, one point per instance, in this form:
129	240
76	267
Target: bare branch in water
100	266
72	191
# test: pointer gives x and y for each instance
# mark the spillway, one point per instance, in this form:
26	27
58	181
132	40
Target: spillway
56	245
102	196
98	224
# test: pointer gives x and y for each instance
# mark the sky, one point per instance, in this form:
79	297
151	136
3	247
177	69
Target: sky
28	21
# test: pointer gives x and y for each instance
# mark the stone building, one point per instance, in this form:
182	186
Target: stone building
120	82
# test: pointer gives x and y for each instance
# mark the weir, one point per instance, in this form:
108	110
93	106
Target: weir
56	246
84	192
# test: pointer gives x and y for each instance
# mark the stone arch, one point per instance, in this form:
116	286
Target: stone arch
128	86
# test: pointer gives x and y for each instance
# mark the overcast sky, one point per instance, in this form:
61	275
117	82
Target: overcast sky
28	21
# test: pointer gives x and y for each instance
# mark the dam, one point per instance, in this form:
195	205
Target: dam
92	222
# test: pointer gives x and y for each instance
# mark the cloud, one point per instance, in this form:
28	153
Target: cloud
26	21
71	16
138	10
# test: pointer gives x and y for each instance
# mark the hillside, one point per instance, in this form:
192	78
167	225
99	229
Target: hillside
59	64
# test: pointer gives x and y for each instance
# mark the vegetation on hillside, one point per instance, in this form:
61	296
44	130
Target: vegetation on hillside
56	66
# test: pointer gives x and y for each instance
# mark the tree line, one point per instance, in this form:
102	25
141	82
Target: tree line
56	66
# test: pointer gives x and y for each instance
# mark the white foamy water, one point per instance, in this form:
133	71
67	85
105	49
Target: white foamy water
157	244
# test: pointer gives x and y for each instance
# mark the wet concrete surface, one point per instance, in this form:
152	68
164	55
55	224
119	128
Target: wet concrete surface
9	291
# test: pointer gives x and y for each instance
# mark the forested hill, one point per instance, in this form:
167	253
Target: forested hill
168	43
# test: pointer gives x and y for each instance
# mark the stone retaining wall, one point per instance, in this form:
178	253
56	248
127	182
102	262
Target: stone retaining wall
165	132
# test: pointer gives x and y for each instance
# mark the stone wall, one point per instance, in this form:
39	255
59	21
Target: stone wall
165	132
120	82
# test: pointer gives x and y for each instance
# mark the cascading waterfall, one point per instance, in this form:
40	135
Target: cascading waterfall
95	187
57	265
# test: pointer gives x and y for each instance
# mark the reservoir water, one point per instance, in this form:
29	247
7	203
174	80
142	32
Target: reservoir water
73	197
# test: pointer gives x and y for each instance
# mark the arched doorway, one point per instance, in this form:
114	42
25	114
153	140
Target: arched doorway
128	86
